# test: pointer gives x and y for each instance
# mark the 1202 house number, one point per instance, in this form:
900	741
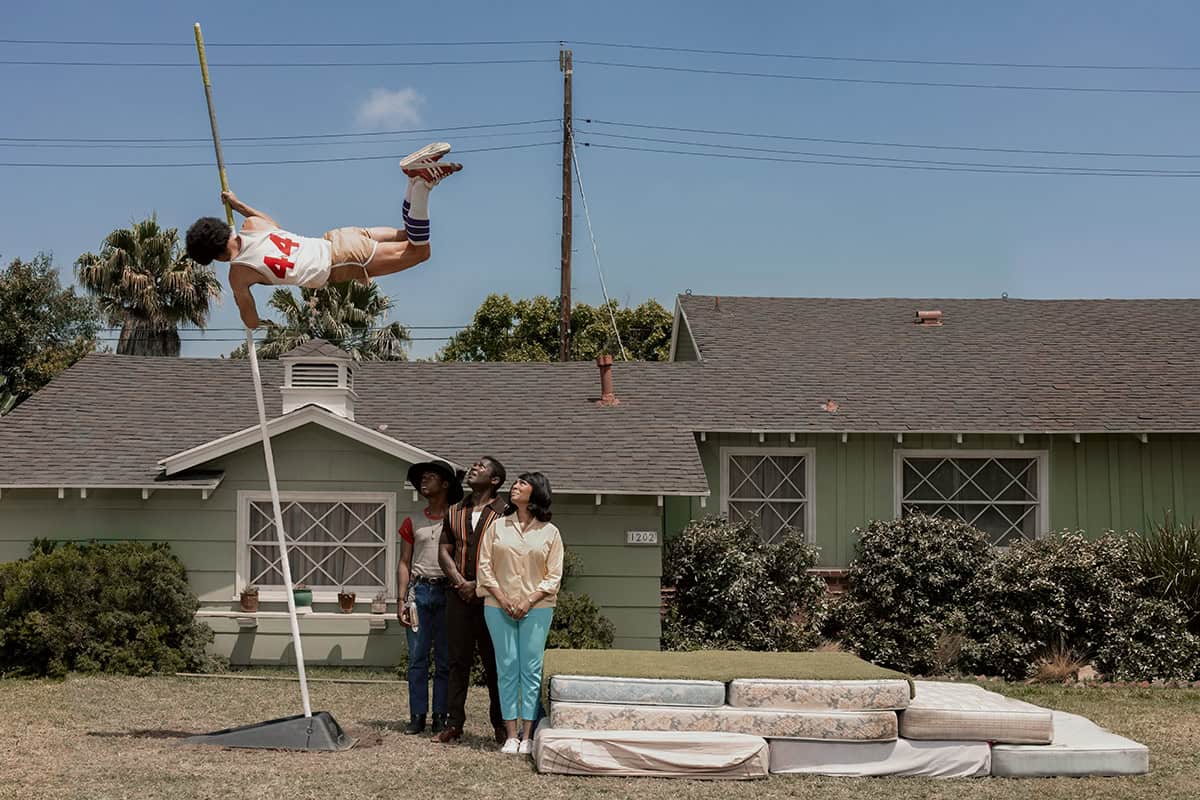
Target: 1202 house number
641	537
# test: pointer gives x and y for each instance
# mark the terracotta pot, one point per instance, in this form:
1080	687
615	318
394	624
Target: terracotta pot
250	602
346	602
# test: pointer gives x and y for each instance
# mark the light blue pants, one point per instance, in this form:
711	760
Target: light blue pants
519	646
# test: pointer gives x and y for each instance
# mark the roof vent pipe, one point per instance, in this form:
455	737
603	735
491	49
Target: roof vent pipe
929	318
607	397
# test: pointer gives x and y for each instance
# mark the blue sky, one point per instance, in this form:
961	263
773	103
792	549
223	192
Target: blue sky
664	223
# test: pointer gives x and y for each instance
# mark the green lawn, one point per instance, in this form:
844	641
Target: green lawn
105	737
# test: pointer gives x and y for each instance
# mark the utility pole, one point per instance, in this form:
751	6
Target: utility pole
564	294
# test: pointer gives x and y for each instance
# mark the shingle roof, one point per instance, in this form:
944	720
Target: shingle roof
1008	365
770	364
109	419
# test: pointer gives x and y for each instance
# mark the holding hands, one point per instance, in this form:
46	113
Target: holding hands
517	609
466	590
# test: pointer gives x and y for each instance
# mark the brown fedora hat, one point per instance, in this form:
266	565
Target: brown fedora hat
442	469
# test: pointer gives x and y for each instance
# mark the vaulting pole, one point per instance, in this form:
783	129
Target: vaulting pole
252	352
212	120
275	506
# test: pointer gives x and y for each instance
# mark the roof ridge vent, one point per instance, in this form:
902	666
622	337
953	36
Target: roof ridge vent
315	374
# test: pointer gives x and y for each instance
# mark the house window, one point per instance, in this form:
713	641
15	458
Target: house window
769	487
1002	494
335	541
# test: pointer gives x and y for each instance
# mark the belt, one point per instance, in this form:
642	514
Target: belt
431	581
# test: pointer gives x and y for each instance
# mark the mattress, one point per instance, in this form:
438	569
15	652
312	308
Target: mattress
663	754
832	695
963	711
637	691
876	759
818	725
1080	747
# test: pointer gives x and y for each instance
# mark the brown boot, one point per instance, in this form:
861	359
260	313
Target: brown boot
449	735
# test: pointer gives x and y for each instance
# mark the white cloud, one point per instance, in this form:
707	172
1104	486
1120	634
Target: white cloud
385	108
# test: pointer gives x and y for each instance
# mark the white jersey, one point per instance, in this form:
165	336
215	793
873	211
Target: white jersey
286	259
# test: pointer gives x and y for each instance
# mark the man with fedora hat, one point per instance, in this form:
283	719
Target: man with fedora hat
422	597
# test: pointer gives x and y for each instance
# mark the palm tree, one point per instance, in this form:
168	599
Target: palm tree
146	284
349	315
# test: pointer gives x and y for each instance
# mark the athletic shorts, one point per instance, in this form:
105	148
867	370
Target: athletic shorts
350	247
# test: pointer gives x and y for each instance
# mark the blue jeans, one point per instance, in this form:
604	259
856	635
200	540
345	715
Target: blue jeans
430	636
519	646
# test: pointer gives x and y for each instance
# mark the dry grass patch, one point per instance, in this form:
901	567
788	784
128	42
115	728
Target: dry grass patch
108	737
1058	666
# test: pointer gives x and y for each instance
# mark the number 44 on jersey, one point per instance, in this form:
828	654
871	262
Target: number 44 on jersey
280	266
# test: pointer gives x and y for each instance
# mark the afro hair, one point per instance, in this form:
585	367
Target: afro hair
206	239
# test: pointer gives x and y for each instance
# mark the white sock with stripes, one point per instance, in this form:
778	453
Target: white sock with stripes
416	211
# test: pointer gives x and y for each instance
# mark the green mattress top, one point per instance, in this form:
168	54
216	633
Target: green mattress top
714	665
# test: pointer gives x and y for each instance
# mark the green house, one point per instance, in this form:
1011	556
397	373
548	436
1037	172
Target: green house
819	415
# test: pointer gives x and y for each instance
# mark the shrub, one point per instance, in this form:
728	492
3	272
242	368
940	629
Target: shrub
734	591
122	608
1149	640
907	592
578	624
1168	560
1062	592
1065	593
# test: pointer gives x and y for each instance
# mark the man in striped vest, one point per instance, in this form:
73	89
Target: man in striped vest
466	631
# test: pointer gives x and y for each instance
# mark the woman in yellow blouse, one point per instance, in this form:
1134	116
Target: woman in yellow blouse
520	569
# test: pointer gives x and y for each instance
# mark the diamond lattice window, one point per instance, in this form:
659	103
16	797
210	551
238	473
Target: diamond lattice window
997	495
331	544
768	490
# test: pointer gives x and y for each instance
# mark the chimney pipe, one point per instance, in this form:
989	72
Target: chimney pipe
607	398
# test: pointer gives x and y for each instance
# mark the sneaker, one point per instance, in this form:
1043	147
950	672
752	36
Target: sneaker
526	747
427	155
511	747
433	173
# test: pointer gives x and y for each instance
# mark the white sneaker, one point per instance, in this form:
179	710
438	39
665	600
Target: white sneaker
511	747
526	747
427	155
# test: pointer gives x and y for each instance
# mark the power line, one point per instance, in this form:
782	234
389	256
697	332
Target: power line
657	67
923	168
882	82
631	46
211	45
258	141
1180	173
595	249
870	143
246	145
263	163
869	60
208	140
277	64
